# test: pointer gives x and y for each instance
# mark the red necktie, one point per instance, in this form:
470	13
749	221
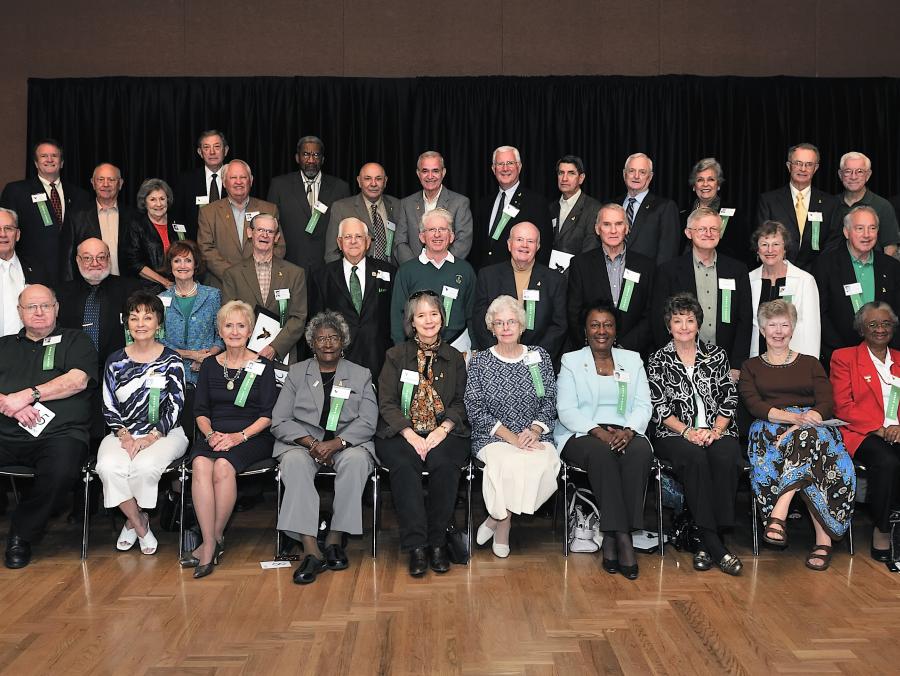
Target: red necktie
55	202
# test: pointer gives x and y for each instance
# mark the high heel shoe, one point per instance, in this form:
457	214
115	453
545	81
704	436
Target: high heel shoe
611	566
203	570
219	551
189	561
629	572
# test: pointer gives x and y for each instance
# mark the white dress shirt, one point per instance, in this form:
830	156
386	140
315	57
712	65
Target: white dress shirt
12	281
360	271
510	193
565	208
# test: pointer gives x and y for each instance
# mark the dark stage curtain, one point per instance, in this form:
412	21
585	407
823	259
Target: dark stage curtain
148	127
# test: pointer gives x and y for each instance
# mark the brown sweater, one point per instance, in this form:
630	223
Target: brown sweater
801	383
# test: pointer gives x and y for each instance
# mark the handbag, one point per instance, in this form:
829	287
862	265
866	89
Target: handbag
894	563
191	540
583	519
457	546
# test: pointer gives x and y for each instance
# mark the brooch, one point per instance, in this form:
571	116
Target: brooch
459	279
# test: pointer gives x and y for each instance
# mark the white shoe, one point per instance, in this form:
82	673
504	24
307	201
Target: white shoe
148	543
482	535
127	538
500	551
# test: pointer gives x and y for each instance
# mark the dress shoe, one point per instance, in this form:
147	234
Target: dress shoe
440	560
630	572
702	560
483	534
18	552
883	555
189	561
731	565
247	502
335	557
418	561
309	568
204	569
500	551
611	566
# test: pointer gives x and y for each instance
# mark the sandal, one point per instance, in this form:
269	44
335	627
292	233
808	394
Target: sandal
148	543
771	530
127	538
824	558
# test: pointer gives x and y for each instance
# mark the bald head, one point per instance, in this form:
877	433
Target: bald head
372	181
524	242
107	182
37	310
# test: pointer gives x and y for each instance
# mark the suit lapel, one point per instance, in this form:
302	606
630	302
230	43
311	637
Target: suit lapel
299	195
869	373
314	381
249	272
230	225
371	284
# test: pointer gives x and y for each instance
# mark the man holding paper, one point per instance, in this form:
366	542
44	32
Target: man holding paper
304	200
47	378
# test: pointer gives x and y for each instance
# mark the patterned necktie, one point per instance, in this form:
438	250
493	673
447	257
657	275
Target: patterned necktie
355	289
800	211
55	202
213	189
629	210
91	321
499	212
309	196
378	235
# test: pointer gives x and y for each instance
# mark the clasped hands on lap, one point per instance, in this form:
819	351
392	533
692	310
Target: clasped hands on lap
810	418
616	439
321	451
133	445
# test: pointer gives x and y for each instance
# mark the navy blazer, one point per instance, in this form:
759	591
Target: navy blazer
578	233
778	205
656	232
532	208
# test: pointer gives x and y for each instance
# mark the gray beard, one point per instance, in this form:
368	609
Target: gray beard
94	278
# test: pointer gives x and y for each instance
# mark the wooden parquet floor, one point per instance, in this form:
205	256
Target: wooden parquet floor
533	613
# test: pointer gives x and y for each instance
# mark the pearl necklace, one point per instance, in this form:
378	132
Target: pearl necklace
192	292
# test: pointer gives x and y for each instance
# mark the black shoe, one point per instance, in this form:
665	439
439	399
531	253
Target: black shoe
883	555
18	552
440	559
631	572
418	562
732	565
702	560
308	569
204	570
611	566
335	557
189	561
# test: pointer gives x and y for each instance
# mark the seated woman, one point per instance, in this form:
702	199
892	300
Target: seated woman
603	403
143	394
511	402
150	233
325	417
694	400
423	426
233	407
790	450
862	382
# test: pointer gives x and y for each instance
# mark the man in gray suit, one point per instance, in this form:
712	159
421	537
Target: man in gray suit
302	195
431	172
378	211
575	212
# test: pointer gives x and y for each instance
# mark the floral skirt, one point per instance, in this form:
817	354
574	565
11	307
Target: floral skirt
812	459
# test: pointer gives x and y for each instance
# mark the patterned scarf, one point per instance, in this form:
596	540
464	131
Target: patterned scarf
426	407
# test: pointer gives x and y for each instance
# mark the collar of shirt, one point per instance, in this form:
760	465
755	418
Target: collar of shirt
883	366
46	184
369	204
638	199
316	181
208	173
101	208
5	265
239	207
698	264
360	270
859	261
805	192
619	257
431	204
262	263
571	201
510	192
861	201
425	260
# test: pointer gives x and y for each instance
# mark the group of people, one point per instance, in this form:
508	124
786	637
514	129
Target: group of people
471	328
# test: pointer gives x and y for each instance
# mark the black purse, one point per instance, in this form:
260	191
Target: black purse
457	546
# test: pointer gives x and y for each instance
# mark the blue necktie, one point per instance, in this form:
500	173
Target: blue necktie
91	321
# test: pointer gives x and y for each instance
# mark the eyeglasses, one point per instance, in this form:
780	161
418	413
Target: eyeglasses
505	324
265	231
853	172
31	309
324	340
8	229
707	231
352	238
886	324
508	163
436	231
311	156
90	260
797	164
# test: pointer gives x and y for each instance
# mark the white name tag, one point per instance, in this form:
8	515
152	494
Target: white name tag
632	275
726	212
788	288
340	392
407	376
321	208
450	292
559	260
255	367
178	227
727	284
814	216
45	415
166	301
250	215
39	197
511	211
282	294
622	377
532	357
52	340
156	382
852	289
201	200
391	226
383	274
553	223
531	294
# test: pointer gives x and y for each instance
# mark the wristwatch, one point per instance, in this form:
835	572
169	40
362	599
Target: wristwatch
35	395
344	443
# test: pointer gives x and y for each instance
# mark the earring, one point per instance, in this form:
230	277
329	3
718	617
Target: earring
128	339
342	353
160	333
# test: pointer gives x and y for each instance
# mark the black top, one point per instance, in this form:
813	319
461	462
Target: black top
327	384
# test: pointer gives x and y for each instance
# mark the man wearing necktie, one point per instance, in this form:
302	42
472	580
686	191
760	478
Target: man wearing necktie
15	273
198	187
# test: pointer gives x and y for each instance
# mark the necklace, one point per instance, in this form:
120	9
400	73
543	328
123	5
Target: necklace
187	294
229	381
601	370
786	361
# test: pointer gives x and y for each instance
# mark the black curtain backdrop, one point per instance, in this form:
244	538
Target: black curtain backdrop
148	127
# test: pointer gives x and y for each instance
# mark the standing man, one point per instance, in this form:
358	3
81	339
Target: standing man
378	211
617	276
15	273
511	204
199	187
804	210
222	224
431	172
574	214
302	195
42	204
540	290
654	226
359	287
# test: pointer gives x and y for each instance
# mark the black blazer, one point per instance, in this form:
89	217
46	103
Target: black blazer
37	241
678	275
188	187
778	205
589	284
657	232
577	234
145	247
532	208
549	313
289	194
85	224
832	271
34	271
370	328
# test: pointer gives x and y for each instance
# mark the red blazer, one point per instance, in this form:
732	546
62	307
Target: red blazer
857	392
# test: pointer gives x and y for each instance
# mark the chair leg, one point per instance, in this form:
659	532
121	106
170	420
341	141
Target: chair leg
15	490
471	473
850	536
659	511
754	525
277	512
565	517
375	513
86	526
183	475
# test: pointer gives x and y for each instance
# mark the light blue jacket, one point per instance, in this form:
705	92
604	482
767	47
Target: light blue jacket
202	330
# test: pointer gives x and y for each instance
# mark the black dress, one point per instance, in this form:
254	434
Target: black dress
215	401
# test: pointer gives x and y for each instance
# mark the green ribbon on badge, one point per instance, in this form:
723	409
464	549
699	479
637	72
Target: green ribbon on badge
724	223
890	411
389	242
313	221
536	379
334	412
49	355
856	301
530	309
180	235
726	306
244	391
154	406
45	213
282	310
501	225
448	306
406	398
622	397
625	298
815	235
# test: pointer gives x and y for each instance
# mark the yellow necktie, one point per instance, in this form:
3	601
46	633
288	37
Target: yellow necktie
800	210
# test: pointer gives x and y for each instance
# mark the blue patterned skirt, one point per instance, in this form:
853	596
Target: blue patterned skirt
812	459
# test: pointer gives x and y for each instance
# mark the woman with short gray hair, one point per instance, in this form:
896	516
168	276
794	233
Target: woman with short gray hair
150	233
706	179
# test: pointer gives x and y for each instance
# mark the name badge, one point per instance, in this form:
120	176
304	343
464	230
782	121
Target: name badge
531	294
622	377
450	292
250	215
511	211
39	197
532	357
321	208
255	367
727	284
852	289
895	381
156	382
52	340
178	227
553	223
340	392
814	216
166	301
383	274
726	212
411	377
787	289
282	294
632	275
201	200
390	225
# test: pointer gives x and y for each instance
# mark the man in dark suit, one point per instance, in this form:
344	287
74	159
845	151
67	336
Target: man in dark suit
574	214
300	195
511	204
378	211
654	226
721	285
540	289
198	187
852	275
601	275
368	310
15	273
799	201
42	204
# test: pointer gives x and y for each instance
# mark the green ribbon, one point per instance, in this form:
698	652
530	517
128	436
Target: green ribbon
788	299
448	306
154	406
389	242
128	339
504	219
49	354
313	220
724	223
625	298
244	391
536	379
334	412
530	308
45	213
406	398
815	235
726	306
856	301
282	310
893	400
622	398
